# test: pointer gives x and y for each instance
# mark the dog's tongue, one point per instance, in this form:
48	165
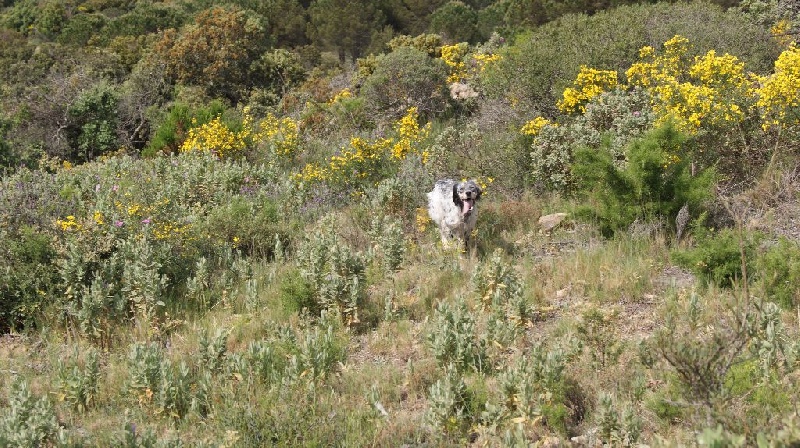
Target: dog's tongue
467	206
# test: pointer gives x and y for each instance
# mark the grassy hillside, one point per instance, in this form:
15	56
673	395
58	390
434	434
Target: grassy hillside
233	249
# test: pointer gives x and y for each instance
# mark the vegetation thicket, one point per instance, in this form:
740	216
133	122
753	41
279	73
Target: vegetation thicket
213	228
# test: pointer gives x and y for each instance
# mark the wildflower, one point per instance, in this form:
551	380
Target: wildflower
534	126
119	223
588	84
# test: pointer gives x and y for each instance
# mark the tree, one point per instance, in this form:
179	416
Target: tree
343	26
216	52
456	22
92	123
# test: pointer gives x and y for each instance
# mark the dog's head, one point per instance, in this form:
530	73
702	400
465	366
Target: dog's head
465	194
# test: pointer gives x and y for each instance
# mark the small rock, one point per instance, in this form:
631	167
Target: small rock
551	221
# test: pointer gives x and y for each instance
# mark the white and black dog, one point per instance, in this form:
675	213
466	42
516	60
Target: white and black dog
452	206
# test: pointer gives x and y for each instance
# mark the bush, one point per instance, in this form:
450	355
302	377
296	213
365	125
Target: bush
778	270
334	272
539	66
27	275
454	339
27	420
717	256
654	182
92	123
249	224
407	78
171	131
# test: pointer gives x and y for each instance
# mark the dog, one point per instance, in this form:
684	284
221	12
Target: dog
452	205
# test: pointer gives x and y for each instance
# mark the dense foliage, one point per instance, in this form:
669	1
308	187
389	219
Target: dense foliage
213	228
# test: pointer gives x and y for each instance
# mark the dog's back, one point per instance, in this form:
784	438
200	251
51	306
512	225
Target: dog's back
440	200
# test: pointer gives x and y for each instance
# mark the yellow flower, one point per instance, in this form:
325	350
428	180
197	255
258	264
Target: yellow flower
216	138
779	93
588	84
535	126
453	56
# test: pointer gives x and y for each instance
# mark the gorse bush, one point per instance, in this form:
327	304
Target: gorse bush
778	269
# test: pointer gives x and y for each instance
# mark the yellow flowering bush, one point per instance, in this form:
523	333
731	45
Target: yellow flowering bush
409	136
217	138
484	60
707	90
588	84
341	95
69	224
781	32
282	136
453	56
779	94
365	160
534	126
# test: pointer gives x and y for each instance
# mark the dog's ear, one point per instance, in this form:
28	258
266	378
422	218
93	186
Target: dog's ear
480	191
456	197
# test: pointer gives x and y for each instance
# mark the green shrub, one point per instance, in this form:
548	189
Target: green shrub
716	257
537	67
778	270
173	128
92	123
27	275
297	294
653	183
406	78
80	29
455	21
597	330
248	223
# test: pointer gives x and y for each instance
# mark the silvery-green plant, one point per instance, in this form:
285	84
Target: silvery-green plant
453	338
448	402
143	285
770	342
212	349
265	361
496	282
144	365
318	351
27	420
80	384
200	281
388	242
175	390
620	428
527	385
335	273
